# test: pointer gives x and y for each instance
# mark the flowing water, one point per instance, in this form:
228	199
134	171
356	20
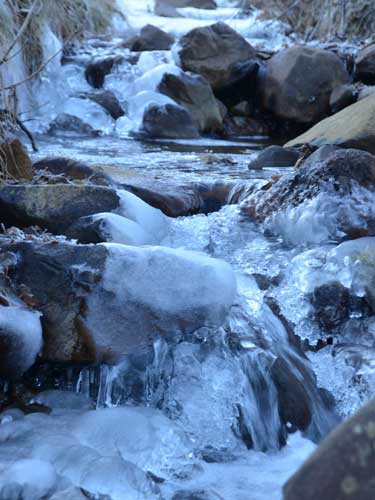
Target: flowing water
213	415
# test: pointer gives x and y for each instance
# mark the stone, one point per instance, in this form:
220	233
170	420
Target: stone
168	8
193	93
353	127
60	165
213	52
320	154
107	100
241	84
168	121
101	303
298	83
274	156
366	92
330	303
150	38
97	70
342	467
64	122
342	97
53	207
15	161
364	70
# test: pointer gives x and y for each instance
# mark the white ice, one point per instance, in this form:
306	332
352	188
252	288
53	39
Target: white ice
118	229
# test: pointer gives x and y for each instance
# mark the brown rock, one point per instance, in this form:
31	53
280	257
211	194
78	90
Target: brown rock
15	161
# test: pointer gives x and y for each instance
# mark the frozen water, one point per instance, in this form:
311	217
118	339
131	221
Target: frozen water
118	229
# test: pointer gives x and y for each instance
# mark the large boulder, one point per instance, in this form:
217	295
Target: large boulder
274	156
298	83
353	127
241	84
107	100
168	121
338	182
14	160
168	8
342	468
150	38
365	65
98	69
102	302
195	94
213	51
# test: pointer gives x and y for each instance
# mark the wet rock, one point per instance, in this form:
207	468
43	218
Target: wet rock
330	303
366	92
343	465
275	156
53	207
20	339
212	52
97	70
321	154
194	94
342	97
67	166
299	81
337	173
353	127
150	38
107	100
65	122
365	65
99	302
168	8
168	121
241	84
14	160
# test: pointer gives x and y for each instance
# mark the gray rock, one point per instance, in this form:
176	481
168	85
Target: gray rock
53	207
97	70
342	97
342	468
150	38
213	51
365	65
321	154
66	123
168	8
168	121
107	100
299	81
275	156
195	94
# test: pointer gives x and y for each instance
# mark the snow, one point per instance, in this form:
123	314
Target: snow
118	229
150	219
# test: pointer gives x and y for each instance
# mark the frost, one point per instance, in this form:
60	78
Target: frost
118	229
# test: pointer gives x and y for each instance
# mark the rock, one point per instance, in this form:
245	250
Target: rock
342	467
366	92
102	302
274	156
168	121
65	122
168	8
107	227
241	109
194	94
151	38
241	84
98	69
53	207
298	83
67	166
213	52
353	127
107	100
321	154
20	339
342	97
365	65
330	303
14	160
336	174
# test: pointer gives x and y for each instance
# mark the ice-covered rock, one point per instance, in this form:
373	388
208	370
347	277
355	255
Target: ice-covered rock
20	339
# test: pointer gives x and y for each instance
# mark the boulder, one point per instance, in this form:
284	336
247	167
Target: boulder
150	38
102	302
66	123
241	84
107	100
194	94
168	8
365	65
66	166
275	156
53	207
168	121
336	176
366	92
353	127
97	70
15	161
213	52
342	97
20	339
342	467
298	83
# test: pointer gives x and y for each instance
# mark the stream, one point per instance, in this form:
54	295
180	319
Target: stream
227	413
